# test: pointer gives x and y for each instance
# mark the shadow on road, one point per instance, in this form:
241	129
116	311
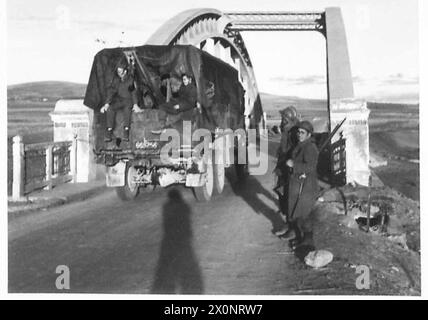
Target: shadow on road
178	269
250	190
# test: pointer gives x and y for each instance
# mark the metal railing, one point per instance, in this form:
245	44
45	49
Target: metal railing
42	165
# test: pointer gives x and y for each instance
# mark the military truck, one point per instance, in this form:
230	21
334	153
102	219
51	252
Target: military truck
137	165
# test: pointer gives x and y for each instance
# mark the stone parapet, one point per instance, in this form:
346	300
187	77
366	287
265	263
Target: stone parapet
72	118
355	131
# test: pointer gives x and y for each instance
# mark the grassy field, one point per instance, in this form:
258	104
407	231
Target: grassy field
394	136
31	120
45	90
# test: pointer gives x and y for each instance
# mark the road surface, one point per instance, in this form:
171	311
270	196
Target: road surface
163	242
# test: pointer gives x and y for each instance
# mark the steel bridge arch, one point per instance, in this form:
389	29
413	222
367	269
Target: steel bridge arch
207	30
219	33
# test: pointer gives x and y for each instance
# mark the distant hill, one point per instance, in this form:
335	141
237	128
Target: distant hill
392	107
45	91
272	104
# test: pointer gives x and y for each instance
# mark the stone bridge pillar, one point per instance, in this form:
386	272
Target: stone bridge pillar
341	101
355	131
72	117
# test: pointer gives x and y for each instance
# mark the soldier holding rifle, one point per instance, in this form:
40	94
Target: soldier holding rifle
287	143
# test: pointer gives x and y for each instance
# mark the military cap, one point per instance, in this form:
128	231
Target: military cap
306	125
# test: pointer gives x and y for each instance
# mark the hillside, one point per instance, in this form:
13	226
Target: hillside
272	104
45	91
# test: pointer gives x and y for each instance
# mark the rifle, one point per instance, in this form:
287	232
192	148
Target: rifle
330	136
302	182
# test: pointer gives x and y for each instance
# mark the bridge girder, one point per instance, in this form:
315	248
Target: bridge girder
197	26
276	21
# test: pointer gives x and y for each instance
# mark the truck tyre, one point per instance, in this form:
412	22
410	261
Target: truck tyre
205	192
219	175
130	190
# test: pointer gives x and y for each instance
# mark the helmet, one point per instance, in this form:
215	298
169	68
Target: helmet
289	112
306	125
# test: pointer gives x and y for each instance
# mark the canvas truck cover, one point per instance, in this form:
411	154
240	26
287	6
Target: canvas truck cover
219	92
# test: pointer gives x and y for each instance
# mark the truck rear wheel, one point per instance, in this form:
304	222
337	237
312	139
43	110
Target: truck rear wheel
130	190
219	176
205	192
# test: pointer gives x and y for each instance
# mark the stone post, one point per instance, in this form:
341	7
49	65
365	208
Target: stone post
339	76
355	131
18	168
342	103
73	122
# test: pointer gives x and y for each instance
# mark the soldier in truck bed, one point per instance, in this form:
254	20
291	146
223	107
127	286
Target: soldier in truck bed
184	96
121	95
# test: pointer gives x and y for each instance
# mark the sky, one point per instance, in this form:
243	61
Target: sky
56	40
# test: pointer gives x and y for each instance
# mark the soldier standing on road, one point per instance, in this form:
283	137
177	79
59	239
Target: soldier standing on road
303	185
288	141
120	95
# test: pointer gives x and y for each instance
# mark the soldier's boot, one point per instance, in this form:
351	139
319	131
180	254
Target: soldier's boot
108	135
295	241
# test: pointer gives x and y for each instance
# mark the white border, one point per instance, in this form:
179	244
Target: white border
423	53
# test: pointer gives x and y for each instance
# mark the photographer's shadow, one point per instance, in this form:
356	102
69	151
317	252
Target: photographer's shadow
178	269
